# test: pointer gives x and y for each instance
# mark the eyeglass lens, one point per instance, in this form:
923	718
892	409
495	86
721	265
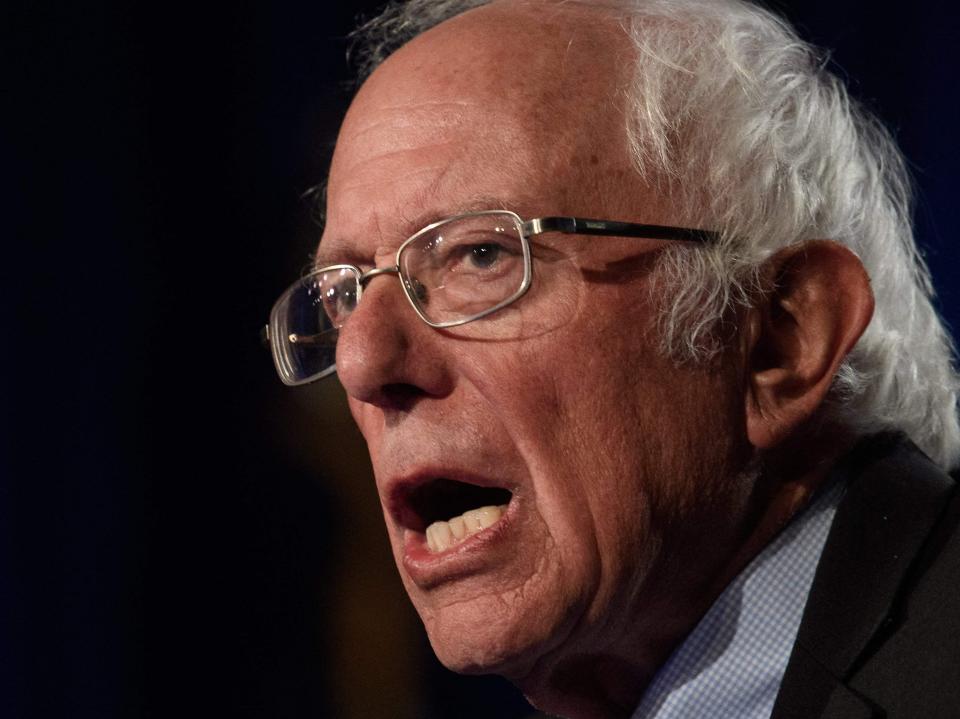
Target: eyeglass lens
452	272
464	267
306	322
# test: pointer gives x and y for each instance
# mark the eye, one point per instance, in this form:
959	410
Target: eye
338	295
484	256
340	298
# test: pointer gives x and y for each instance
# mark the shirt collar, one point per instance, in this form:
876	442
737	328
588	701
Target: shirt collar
732	663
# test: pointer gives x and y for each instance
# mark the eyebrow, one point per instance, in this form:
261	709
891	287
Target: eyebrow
434	214
339	249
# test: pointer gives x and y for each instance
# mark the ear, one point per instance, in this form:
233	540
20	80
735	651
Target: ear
819	304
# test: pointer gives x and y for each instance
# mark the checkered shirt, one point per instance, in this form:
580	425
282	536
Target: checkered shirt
732	663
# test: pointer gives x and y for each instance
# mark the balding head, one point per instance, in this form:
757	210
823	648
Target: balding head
506	89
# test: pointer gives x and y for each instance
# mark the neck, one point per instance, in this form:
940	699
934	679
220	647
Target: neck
590	686
785	487
595	684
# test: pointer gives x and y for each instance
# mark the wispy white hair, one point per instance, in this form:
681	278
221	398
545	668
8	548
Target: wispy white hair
741	126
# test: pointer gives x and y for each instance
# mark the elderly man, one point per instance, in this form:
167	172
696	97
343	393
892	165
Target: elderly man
644	405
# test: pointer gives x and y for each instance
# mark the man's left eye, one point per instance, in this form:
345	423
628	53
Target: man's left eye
485	255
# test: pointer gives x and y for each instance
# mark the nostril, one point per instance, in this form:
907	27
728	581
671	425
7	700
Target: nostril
400	396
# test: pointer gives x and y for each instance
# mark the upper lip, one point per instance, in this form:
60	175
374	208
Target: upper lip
399	488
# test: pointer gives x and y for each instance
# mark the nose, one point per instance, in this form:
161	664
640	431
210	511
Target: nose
387	356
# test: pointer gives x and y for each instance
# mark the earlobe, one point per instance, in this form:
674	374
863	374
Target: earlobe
798	334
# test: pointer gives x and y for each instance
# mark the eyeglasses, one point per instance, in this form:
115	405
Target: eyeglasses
453	272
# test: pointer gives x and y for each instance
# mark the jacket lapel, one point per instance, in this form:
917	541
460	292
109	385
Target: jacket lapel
894	497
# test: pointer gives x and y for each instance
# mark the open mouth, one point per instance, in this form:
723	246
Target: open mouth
450	511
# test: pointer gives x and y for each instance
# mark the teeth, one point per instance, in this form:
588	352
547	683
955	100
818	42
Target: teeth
440	536
458	527
443	535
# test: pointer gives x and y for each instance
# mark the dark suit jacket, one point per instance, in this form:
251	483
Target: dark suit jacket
880	635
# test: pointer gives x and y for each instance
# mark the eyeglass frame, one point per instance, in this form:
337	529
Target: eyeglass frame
528	229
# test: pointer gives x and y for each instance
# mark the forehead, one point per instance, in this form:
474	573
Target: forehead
501	105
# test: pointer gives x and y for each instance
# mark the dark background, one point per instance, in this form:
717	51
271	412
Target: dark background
179	534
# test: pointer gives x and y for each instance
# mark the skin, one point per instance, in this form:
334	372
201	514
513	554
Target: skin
631	504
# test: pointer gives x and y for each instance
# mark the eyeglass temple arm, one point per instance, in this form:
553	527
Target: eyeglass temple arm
583	226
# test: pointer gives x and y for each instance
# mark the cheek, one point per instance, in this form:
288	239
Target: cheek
563	435
624	441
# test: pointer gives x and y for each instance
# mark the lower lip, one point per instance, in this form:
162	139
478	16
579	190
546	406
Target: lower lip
473	555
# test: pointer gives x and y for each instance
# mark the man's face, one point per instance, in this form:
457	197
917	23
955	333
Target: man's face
616	468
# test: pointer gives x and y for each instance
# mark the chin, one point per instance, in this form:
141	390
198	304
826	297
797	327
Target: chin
466	657
484	636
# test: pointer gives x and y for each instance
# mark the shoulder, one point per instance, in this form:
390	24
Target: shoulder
882	621
911	667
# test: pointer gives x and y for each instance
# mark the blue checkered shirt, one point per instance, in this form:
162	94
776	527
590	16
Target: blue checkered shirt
732	663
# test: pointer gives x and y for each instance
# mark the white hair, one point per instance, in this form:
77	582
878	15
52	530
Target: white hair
739	123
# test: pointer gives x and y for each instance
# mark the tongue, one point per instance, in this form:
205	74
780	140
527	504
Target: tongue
444	534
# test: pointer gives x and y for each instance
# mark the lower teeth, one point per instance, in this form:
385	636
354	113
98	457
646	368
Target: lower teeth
444	534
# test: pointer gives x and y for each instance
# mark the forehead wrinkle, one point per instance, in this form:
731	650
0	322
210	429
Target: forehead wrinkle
435	113
397	159
405	125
